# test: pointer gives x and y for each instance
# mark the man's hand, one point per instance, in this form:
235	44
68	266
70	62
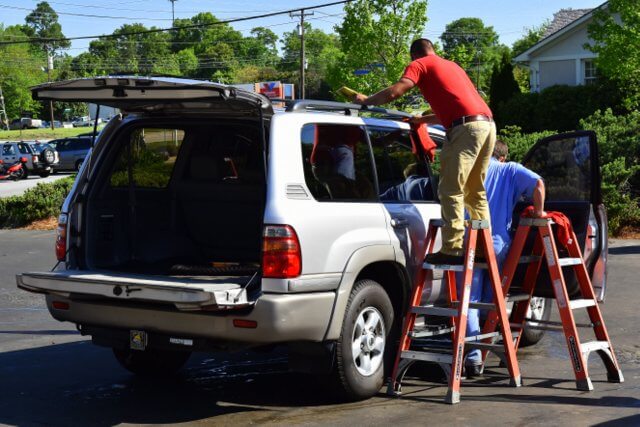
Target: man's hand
360	99
429	119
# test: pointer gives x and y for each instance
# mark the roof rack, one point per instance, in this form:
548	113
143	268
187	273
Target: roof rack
347	108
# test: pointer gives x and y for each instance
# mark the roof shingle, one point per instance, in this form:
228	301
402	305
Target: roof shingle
562	18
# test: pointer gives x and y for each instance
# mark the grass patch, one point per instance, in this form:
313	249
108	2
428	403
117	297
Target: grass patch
42	133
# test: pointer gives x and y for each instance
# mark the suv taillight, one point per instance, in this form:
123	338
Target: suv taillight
35	159
61	238
281	257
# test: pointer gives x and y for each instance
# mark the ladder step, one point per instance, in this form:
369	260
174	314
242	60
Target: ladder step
517	297
478	305
563	262
436	223
543	324
590	346
426	356
428	266
496	348
431	332
481	337
581	303
435	311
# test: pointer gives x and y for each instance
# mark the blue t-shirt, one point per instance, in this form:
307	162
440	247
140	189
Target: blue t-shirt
505	184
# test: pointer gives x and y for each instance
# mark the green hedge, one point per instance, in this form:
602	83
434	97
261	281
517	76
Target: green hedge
41	202
619	147
557	107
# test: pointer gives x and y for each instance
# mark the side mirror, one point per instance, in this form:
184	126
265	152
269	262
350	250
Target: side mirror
23	160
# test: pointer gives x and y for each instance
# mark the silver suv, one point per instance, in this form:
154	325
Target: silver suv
204	220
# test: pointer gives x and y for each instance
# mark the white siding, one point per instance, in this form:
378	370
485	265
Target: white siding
557	73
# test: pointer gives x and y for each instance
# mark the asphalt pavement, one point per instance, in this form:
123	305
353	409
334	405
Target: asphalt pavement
50	375
15	188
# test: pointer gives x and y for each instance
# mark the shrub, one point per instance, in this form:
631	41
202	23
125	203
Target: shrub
42	201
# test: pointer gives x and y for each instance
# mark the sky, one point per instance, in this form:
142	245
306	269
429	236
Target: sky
509	18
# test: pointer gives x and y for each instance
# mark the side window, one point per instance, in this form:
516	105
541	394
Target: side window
84	144
337	163
62	145
151	154
23	149
8	150
401	176
565	166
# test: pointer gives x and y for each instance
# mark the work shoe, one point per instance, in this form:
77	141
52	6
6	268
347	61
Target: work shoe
472	371
440	258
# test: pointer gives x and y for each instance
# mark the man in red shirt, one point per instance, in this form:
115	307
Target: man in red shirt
471	136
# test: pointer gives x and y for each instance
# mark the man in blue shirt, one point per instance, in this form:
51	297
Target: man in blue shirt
506	183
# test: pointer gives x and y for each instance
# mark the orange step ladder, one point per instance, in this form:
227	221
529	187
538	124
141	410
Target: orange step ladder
450	354
545	247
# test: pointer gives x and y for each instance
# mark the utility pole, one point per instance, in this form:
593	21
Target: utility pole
173	12
49	68
303	62
3	110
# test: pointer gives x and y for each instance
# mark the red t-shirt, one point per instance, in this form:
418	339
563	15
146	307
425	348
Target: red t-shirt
447	88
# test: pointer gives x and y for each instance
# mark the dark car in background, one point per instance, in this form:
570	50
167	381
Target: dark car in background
72	152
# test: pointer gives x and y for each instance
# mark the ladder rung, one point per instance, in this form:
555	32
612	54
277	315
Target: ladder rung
544	328
563	262
426	356
478	305
435	311
481	337
496	348
590	346
517	297
526	259
436	223
553	323
581	303
434	332
428	266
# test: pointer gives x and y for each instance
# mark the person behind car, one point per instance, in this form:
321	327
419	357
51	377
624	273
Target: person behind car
506	184
415	187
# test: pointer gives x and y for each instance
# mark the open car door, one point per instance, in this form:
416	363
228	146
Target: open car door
569	165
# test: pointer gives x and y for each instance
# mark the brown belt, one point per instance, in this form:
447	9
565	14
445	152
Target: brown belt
469	119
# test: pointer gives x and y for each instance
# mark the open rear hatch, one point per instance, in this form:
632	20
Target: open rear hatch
185	293
132	93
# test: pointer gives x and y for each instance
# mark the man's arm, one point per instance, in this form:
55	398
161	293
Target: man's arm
538	200
389	94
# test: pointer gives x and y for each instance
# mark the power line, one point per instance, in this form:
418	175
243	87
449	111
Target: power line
183	27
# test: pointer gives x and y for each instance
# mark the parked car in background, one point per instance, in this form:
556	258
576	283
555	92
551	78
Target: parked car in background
85	121
41	157
25	123
72	152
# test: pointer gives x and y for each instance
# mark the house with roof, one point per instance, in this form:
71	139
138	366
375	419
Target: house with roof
560	57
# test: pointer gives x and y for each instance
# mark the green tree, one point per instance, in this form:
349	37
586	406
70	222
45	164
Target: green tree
43	24
503	83
375	35
531	37
616	43
321	52
474	46
20	68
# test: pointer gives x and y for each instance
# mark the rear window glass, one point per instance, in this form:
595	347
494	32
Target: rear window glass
337	163
39	147
148	157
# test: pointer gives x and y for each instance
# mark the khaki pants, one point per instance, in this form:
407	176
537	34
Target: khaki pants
464	160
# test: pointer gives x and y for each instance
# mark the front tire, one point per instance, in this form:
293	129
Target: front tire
363	342
151	363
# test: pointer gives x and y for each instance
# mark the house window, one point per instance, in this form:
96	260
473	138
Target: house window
590	72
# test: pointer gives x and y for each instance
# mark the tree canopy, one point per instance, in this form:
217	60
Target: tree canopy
43	23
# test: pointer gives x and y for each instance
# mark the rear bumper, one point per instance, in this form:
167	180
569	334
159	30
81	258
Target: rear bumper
280	318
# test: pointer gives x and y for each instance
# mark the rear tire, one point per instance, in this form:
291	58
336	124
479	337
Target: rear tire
44	174
360	356
540	309
151	363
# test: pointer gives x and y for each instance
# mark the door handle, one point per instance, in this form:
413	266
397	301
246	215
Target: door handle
399	223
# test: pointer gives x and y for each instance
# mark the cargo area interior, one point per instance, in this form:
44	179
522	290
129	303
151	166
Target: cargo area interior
181	199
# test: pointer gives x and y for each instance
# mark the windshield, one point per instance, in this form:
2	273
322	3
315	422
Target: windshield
39	147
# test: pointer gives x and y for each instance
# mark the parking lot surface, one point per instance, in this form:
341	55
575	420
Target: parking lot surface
50	375
15	188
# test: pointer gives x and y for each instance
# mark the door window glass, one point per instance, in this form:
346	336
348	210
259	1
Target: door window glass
401	176
23	149
8	150
150	154
62	146
565	166
337	162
